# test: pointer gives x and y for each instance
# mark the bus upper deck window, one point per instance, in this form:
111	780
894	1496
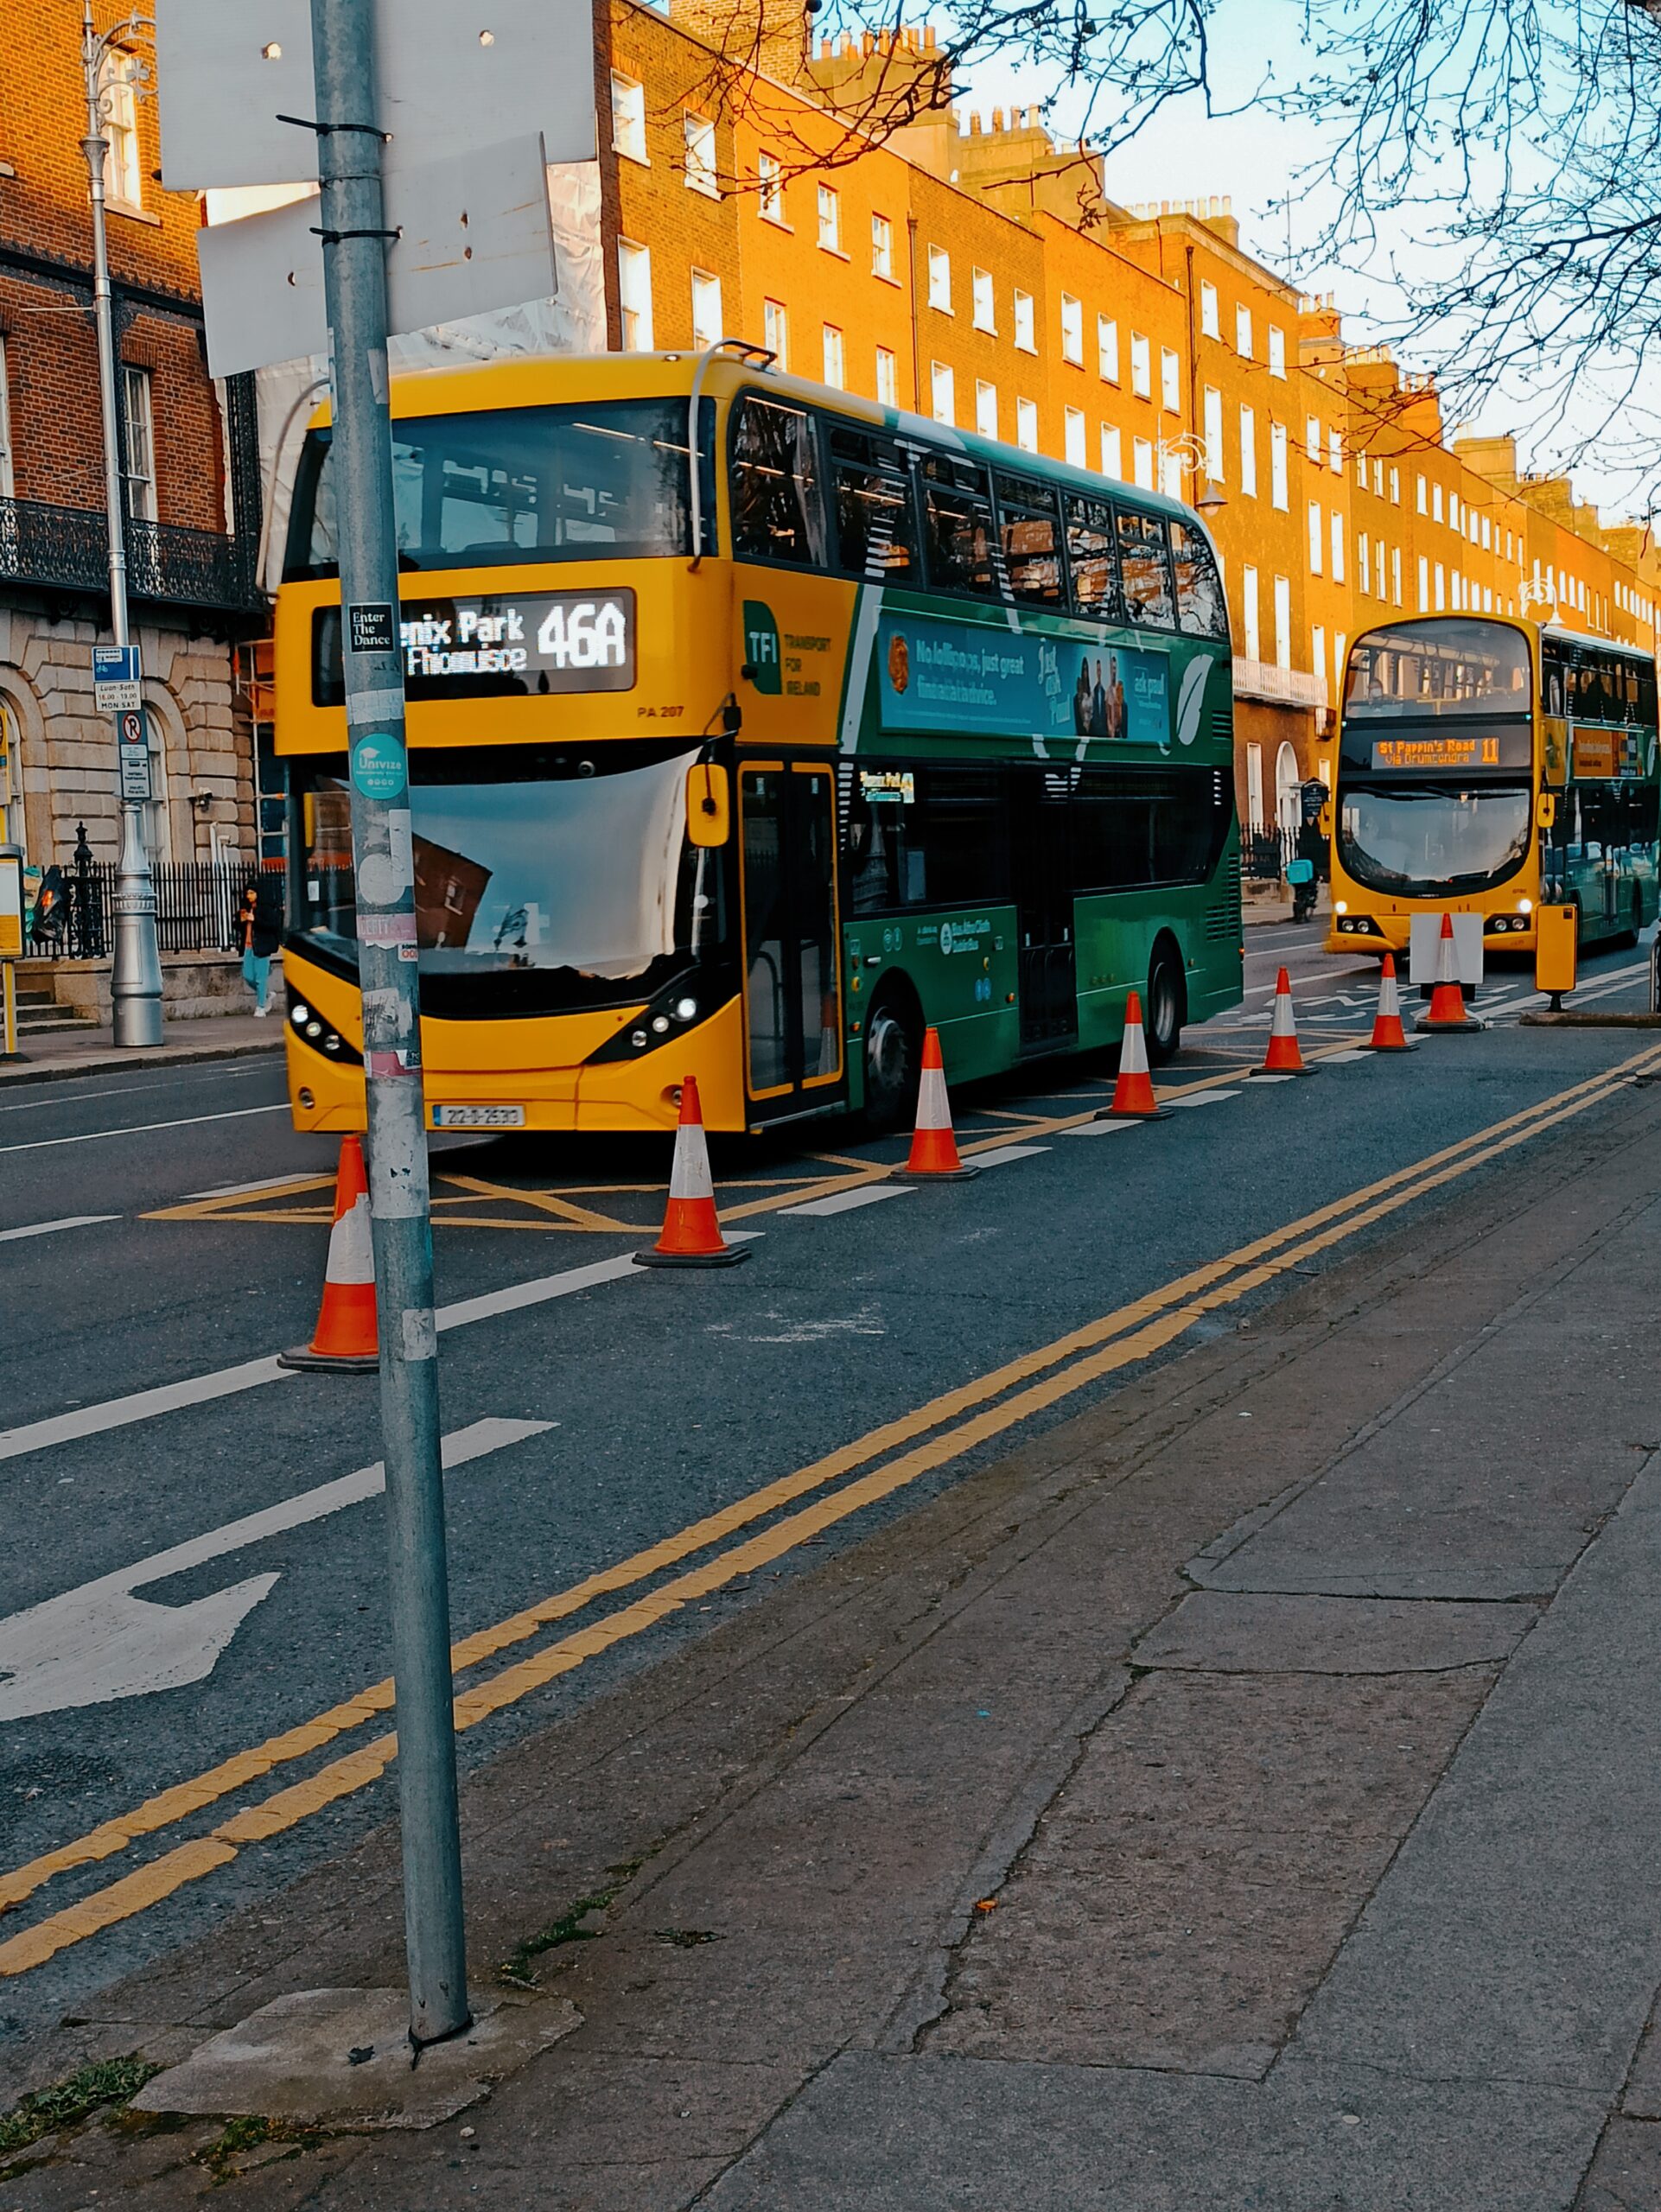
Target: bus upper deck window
1144	568
778	511
1094	562
1201	609
1029	520
876	529
957	524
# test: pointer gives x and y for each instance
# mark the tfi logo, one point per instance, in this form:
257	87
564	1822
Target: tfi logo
762	662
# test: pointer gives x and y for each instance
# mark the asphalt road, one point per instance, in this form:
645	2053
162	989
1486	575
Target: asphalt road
624	1404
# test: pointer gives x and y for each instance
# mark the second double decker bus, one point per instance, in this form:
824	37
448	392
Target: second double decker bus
752	726
1490	765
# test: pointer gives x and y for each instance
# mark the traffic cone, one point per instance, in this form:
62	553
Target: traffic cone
934	1156
1133	1094
346	1340
1388	1035
1283	1057
692	1229
1447	995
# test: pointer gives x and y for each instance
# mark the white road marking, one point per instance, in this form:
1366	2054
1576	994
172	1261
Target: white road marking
143	1128
97	1642
1000	1155
1096	1129
1271	1075
46	1228
165	1080
1198	1097
869	1194
1344	1059
241	1190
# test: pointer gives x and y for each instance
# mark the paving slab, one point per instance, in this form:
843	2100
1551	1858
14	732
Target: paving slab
1252	1632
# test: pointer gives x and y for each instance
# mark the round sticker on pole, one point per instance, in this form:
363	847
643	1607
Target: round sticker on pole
378	767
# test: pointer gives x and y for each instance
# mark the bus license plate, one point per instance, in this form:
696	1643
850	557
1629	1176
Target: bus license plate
478	1118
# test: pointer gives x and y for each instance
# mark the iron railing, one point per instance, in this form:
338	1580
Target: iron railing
66	549
197	907
1264	853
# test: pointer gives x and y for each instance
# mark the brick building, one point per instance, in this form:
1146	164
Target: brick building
976	273
190	466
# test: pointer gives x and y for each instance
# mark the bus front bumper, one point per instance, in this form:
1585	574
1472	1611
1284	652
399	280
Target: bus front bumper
1378	934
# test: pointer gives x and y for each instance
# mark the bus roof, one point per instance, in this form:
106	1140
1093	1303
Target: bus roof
555	378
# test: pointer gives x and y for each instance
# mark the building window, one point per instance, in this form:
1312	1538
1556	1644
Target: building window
1435	503
1026	326
1073	436
1425	585
887	381
1361	472
1170	381
1441	583
1338	546
117	81
1142	366
1340	646
1073	330
1279	495
1277	350
1248	452
830	219
1209	324
770	194
1242	335
1424	497
1363	565
700	154
942	393
1396	574
1250	630
1282	622
775	330
7	480
983	312
1107	349
986	408
158	818
1141	463
1315	538
13	827
627	118
881	247
1487	534
1212	422
939	279
1254	777
1112	452
141	444
634	295
832	350
1318	650
1335	453
1394	487
1453	511
1170	476
1378	479
706	308
1312	438
1026	425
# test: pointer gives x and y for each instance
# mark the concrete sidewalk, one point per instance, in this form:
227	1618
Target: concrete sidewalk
51	1056
1247	1795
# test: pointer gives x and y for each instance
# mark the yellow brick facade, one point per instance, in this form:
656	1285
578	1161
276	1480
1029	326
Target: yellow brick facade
976	273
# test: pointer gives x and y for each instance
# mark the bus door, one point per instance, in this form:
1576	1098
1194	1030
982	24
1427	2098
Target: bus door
1043	890
793	978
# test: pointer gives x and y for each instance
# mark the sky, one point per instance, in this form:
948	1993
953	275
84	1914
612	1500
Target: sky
1254	159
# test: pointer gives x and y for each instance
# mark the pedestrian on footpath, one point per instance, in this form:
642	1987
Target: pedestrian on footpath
257	928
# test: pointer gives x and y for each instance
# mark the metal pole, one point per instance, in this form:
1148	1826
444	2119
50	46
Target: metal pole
135	969
360	463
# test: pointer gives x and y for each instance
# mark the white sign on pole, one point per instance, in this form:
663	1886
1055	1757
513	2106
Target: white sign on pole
474	232
450	76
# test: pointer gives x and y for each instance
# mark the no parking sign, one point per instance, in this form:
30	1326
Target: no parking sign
132	747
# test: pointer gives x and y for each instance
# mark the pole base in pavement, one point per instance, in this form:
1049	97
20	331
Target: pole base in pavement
1130	1113
729	1258
303	1359
933	1174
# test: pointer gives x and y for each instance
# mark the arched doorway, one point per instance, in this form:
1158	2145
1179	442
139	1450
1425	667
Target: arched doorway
1287	786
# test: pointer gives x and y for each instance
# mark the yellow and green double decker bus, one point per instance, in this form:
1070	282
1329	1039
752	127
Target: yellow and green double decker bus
749	766
1488	765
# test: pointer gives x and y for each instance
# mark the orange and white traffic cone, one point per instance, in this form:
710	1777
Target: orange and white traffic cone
692	1229
1283	1057
1388	1035
1133	1094
1446	1010
934	1156
346	1340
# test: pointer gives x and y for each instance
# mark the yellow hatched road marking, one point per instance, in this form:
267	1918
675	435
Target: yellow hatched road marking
1190	1297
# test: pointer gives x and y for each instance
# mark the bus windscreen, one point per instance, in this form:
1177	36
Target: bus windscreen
1437	672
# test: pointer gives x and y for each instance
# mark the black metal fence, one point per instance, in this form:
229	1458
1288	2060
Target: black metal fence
68	548
1264	853
197	907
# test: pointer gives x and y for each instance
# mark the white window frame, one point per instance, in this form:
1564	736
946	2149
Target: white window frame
1170	380
1362	563
986	408
942	392
1073	330
1248	452
1395	576
8	475
1210	415
1277	350
634	294
628	119
1282	622
1072	437
1242	333
1250	614
828	217
887	377
1335	452
1314	538
1211	324
1112	452
1312	438
939	280
1026	322
706	298
1026	425
1141	365
1141	463
138	421
775	331
118	78
834	357
1279	472
770	190
1107	349
1318	650
699	133
1337	528
883	248
983	302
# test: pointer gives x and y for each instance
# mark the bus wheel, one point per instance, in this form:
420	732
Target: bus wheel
893	1060
1166	1008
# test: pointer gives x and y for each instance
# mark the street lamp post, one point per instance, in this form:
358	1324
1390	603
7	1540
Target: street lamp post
136	970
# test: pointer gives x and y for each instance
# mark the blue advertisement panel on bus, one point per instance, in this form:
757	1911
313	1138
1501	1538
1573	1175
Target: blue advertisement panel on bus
962	676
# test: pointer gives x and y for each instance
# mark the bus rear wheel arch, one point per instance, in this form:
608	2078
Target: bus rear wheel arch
1167	1006
893	1055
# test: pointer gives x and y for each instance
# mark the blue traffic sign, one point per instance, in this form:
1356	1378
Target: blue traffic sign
115	664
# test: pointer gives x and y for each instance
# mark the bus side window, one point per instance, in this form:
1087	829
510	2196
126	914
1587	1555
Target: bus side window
958	527
1092	559
1029	521
1144	568
778	511
876	529
1201	609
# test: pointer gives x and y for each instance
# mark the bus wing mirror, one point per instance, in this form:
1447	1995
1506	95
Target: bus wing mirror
1546	812
709	804
1324	820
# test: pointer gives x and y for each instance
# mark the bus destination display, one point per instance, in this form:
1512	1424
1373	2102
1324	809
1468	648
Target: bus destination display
1496	749
528	643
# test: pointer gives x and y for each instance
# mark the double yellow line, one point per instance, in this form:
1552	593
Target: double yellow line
915	1445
